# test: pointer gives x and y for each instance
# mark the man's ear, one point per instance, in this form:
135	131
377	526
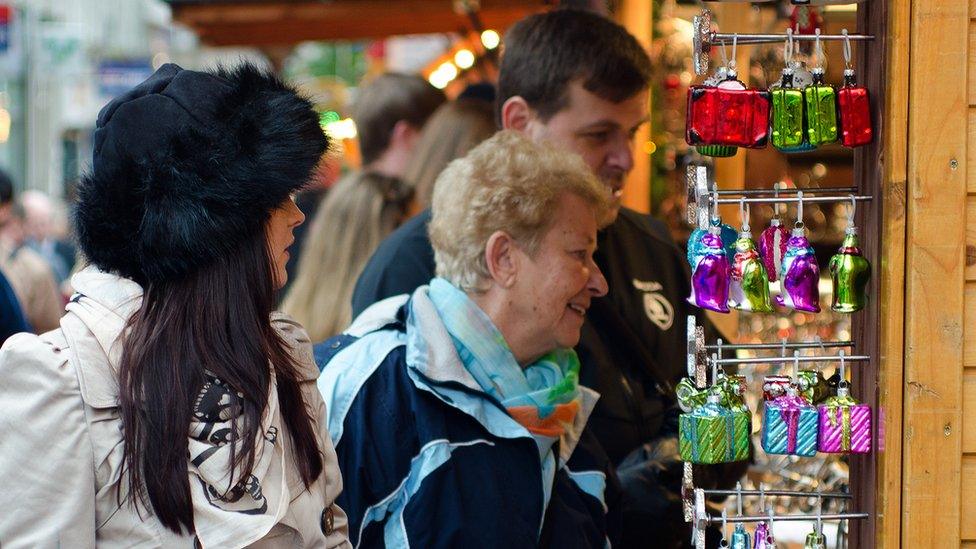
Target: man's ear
500	257
516	114
403	134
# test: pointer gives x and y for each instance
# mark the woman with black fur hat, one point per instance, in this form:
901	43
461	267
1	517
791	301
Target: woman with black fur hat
172	408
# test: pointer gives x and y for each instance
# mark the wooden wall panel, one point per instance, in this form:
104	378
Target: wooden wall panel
969	336
968	519
969	414
935	273
971	205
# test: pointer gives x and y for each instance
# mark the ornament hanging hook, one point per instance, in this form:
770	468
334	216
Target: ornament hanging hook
788	50
820	518
715	216
762	496
818	49
799	210
744	214
735	43
843	370
796	368
738	498
725	528
850	213
847	49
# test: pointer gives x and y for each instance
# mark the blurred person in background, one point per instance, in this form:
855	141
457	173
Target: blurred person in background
389	111
173	407
12	319
29	274
450	133
359	212
458	415
46	229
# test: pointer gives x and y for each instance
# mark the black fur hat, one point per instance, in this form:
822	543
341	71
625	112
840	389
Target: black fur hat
188	165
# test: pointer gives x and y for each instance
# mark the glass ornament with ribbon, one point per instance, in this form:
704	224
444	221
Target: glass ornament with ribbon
727	234
764	533
855	105
850	272
772	245
716	431
749	285
816	539
801	273
821	104
728	114
845	424
790	422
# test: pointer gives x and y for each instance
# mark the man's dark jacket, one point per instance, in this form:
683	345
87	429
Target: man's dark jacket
632	351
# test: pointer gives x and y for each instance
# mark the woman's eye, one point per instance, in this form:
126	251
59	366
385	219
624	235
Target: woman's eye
598	136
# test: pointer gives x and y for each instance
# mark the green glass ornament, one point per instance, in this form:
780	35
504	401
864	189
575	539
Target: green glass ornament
815	540
713	433
849	273
749	290
717	151
821	104
787	114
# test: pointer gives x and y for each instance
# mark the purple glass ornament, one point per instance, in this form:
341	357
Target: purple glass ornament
801	275
710	280
772	248
764	538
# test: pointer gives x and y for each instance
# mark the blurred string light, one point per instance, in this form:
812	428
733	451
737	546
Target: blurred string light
336	126
490	39
464	59
4	125
443	75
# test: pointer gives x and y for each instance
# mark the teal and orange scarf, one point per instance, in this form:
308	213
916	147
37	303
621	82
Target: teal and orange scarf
544	397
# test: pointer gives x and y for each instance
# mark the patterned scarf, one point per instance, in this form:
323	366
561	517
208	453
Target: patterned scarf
544	397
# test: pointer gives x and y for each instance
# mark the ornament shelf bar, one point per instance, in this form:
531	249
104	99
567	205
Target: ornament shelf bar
778	346
779	493
783	360
781	518
792	190
791	199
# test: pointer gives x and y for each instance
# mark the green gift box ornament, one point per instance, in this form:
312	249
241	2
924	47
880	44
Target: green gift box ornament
787	115
713	433
821	104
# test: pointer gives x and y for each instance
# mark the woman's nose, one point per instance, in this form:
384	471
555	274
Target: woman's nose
597	284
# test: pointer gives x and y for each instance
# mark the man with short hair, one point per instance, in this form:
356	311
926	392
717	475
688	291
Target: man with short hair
389	113
580	81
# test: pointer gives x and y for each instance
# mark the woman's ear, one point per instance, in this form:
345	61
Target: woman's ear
501	259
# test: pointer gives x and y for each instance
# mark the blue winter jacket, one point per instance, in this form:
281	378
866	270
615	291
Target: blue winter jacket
429	460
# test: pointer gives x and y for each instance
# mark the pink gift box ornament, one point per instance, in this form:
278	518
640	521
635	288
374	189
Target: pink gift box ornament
845	425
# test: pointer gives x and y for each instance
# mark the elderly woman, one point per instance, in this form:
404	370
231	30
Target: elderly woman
456	412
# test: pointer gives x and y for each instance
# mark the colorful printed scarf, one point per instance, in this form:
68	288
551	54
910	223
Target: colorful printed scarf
544	397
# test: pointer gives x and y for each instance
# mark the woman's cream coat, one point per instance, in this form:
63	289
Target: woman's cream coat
61	442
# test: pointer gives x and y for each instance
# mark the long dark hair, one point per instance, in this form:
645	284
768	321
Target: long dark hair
214	321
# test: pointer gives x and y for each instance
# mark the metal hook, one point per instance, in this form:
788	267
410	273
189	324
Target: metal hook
762	496
818	49
847	49
782	348
788	49
725	527
796	368
843	369
715	216
735	43
850	214
819	517
738	498
799	210
744	214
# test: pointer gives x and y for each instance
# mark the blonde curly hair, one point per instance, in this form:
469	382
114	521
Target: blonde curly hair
507	183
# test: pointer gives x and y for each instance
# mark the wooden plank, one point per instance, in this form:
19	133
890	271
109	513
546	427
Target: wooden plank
971	138
969	337
934	278
972	62
967	529
971	206
891	347
969	413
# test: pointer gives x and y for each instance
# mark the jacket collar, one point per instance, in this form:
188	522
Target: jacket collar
430	352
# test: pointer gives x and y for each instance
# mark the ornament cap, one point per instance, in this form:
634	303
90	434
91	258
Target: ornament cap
797	232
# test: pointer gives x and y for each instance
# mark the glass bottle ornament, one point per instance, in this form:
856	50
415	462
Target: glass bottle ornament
790	423
764	534
855	105
850	272
749	285
740	538
710	275
787	106
714	433
801	273
772	246
821	105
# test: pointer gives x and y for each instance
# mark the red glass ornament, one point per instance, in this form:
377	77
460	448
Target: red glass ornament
855	112
733	117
